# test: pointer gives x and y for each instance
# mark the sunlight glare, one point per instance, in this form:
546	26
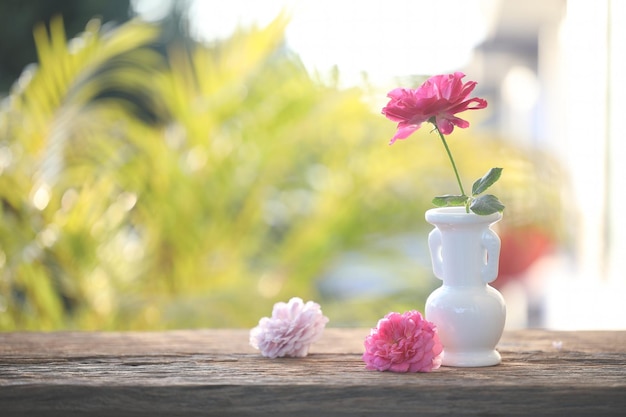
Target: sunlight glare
384	40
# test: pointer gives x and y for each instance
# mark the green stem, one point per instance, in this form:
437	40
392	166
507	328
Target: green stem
456	172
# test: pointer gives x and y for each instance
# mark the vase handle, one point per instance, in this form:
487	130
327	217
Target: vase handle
491	243
434	244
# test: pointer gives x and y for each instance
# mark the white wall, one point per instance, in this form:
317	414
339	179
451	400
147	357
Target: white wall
592	79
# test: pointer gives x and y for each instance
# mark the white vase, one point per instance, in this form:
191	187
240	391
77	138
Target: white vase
469	313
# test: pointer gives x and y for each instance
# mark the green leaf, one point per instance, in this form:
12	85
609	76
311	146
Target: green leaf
486	204
486	181
450	200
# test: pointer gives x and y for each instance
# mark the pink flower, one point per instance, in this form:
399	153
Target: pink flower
403	343
291	329
437	100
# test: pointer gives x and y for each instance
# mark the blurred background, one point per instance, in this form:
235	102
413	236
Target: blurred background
187	164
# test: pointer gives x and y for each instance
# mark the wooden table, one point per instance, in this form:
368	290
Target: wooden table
216	373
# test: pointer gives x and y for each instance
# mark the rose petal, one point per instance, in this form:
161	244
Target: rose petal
403	343
293	327
439	98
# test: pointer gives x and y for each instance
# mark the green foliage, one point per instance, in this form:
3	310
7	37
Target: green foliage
486	204
197	187
480	204
483	183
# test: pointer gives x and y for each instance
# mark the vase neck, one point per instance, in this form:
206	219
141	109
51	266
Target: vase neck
464	250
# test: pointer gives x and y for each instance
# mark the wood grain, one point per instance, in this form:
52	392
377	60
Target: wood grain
216	373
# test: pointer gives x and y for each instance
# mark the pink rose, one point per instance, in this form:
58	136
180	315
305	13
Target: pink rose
437	100
403	343
291	329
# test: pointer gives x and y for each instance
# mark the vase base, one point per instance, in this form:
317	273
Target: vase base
473	359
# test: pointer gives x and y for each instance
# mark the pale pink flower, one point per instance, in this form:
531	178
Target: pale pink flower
403	343
437	100
293	327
